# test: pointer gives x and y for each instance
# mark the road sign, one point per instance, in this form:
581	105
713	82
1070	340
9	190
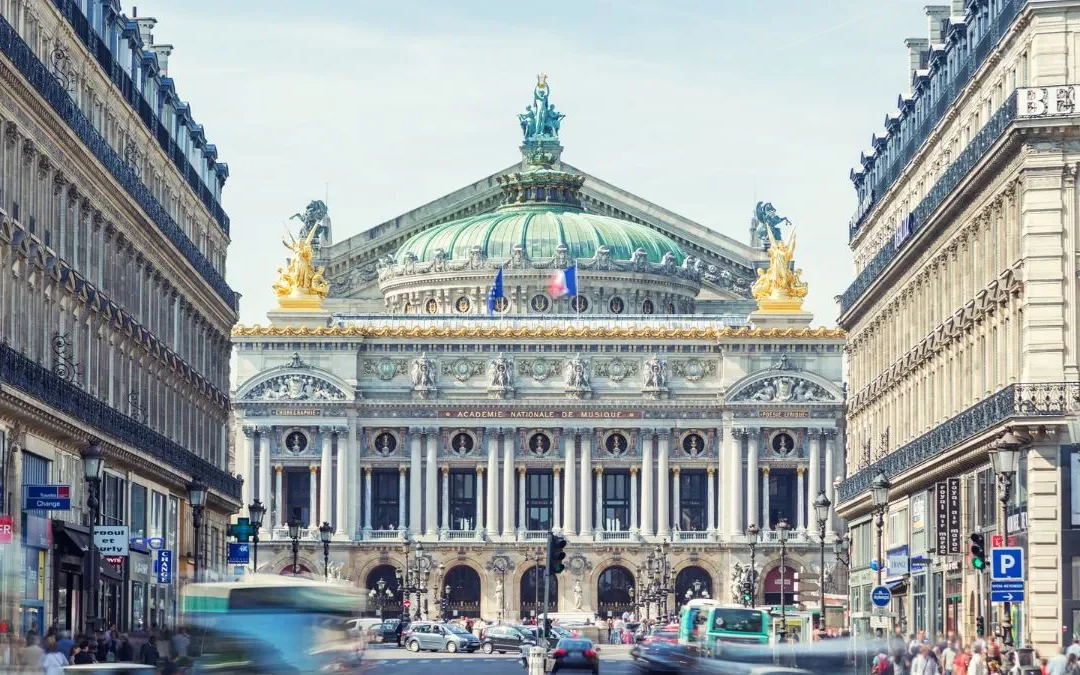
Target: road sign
407	603
1006	586
1007	563
111	539
239	554
47	497
164	566
997	541
881	596
1006	596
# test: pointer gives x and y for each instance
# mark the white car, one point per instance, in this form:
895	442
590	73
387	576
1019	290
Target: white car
361	626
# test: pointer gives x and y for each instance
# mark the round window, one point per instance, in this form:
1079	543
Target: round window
647	307
296	442
431	306
616	305
540	303
461	444
616	445
385	443
539	444
463	304
693	444
783	443
579	303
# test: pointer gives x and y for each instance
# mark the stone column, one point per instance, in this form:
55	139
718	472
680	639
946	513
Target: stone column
480	505
431	518
817	445
493	481
634	527
647	486
523	524
586	486
676	494
416	473
402	471
367	499
800	500
262	446
346	506
766	520
325	477
446	498
279	496
249	494
830	473
753	515
556	499
508	484
601	522
734	479
569	494
313	501
663	477
712	500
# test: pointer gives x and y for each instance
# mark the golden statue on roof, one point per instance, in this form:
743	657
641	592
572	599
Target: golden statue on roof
301	285
779	288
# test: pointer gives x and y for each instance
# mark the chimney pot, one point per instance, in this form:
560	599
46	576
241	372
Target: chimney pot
146	26
163	52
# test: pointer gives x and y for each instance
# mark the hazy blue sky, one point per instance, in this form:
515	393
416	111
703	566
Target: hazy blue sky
701	107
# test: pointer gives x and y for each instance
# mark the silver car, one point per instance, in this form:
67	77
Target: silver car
439	636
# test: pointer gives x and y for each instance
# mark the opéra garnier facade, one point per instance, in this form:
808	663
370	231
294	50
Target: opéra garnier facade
470	421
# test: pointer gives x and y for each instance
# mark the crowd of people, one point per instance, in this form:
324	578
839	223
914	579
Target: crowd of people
919	656
49	655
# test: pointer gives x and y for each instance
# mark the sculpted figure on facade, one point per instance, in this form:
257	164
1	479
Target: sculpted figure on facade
423	376
295	388
502	377
784	389
577	594
780	286
766	223
301	279
577	378
499	595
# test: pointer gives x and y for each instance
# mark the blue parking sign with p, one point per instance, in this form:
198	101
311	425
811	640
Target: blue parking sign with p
1007	563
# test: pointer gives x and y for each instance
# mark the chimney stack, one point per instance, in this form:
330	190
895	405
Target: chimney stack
146	24
936	16
163	52
958	8
916	48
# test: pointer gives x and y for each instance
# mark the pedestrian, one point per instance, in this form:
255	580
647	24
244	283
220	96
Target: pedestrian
1074	648
82	654
960	662
978	665
125	653
1057	664
948	658
53	662
29	657
65	644
1072	667
178	645
610	626
148	655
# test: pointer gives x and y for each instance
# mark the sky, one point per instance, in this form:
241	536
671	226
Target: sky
703	107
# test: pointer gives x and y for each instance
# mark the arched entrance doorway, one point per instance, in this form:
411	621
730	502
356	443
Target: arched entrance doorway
464	596
771	587
300	570
532	592
383	594
692	582
613	591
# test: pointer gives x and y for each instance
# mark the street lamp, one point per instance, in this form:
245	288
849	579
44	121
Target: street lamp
783	529
93	465
821	509
326	533
879	497
413	578
381	595
1005	460
752	534
294	534
196	492
256	511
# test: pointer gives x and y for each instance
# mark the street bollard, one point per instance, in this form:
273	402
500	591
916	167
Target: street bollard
536	660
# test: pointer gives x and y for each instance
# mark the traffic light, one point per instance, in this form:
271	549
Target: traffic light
978	551
747	593
980	627
555	554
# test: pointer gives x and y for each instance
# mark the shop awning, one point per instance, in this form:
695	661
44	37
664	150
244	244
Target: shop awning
897	586
73	538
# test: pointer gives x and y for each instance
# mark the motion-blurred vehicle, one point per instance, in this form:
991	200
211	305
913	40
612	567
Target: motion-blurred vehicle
270	624
575	654
436	637
391	630
504	639
662	658
361	626
112	669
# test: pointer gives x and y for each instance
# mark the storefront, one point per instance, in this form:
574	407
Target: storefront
71	545
954	600
37	540
142	567
112	593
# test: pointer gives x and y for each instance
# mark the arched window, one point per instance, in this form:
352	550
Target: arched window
383	591
613	591
692	582
532	592
462	589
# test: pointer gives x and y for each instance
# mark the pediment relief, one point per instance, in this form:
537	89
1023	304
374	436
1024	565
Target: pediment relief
295	387
782	388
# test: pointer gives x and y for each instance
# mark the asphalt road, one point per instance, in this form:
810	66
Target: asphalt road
387	659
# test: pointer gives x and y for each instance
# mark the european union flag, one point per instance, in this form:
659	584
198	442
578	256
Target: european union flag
496	292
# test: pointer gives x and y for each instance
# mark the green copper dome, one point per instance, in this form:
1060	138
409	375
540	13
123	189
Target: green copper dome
539	231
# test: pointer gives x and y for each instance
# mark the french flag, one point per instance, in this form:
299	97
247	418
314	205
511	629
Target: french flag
563	282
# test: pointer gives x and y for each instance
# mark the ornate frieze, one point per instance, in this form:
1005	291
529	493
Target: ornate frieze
577	378
385	369
783	389
424	375
462	369
693	370
295	387
616	369
539	369
502	378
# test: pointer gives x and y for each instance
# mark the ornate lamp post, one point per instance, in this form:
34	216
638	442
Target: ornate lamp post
783	529
879	497
412	580
256	512
821	509
326	533
93	465
1005	460
294	534
381	595
536	583
196	491
752	535
633	600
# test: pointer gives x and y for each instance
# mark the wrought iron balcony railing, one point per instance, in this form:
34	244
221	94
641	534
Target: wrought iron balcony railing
1015	401
962	75
47	85
957	171
34	380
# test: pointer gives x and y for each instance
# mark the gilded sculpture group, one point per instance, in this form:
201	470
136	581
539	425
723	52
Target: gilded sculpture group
301	283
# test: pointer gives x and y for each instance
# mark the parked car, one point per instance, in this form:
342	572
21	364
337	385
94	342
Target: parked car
436	637
576	654
361	626
504	639
391	630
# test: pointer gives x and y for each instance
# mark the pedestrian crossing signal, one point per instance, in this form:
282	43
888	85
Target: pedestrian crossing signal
978	551
555	554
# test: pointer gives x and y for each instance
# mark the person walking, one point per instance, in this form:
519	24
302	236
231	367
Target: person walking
148	655
82	654
29	657
53	662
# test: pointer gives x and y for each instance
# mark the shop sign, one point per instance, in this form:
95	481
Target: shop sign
47	497
896	562
239	554
116	561
7	529
140	568
941	501
1057	101
954	516
111	540
164	566
296	412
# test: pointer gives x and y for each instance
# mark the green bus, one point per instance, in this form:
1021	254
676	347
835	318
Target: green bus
713	628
